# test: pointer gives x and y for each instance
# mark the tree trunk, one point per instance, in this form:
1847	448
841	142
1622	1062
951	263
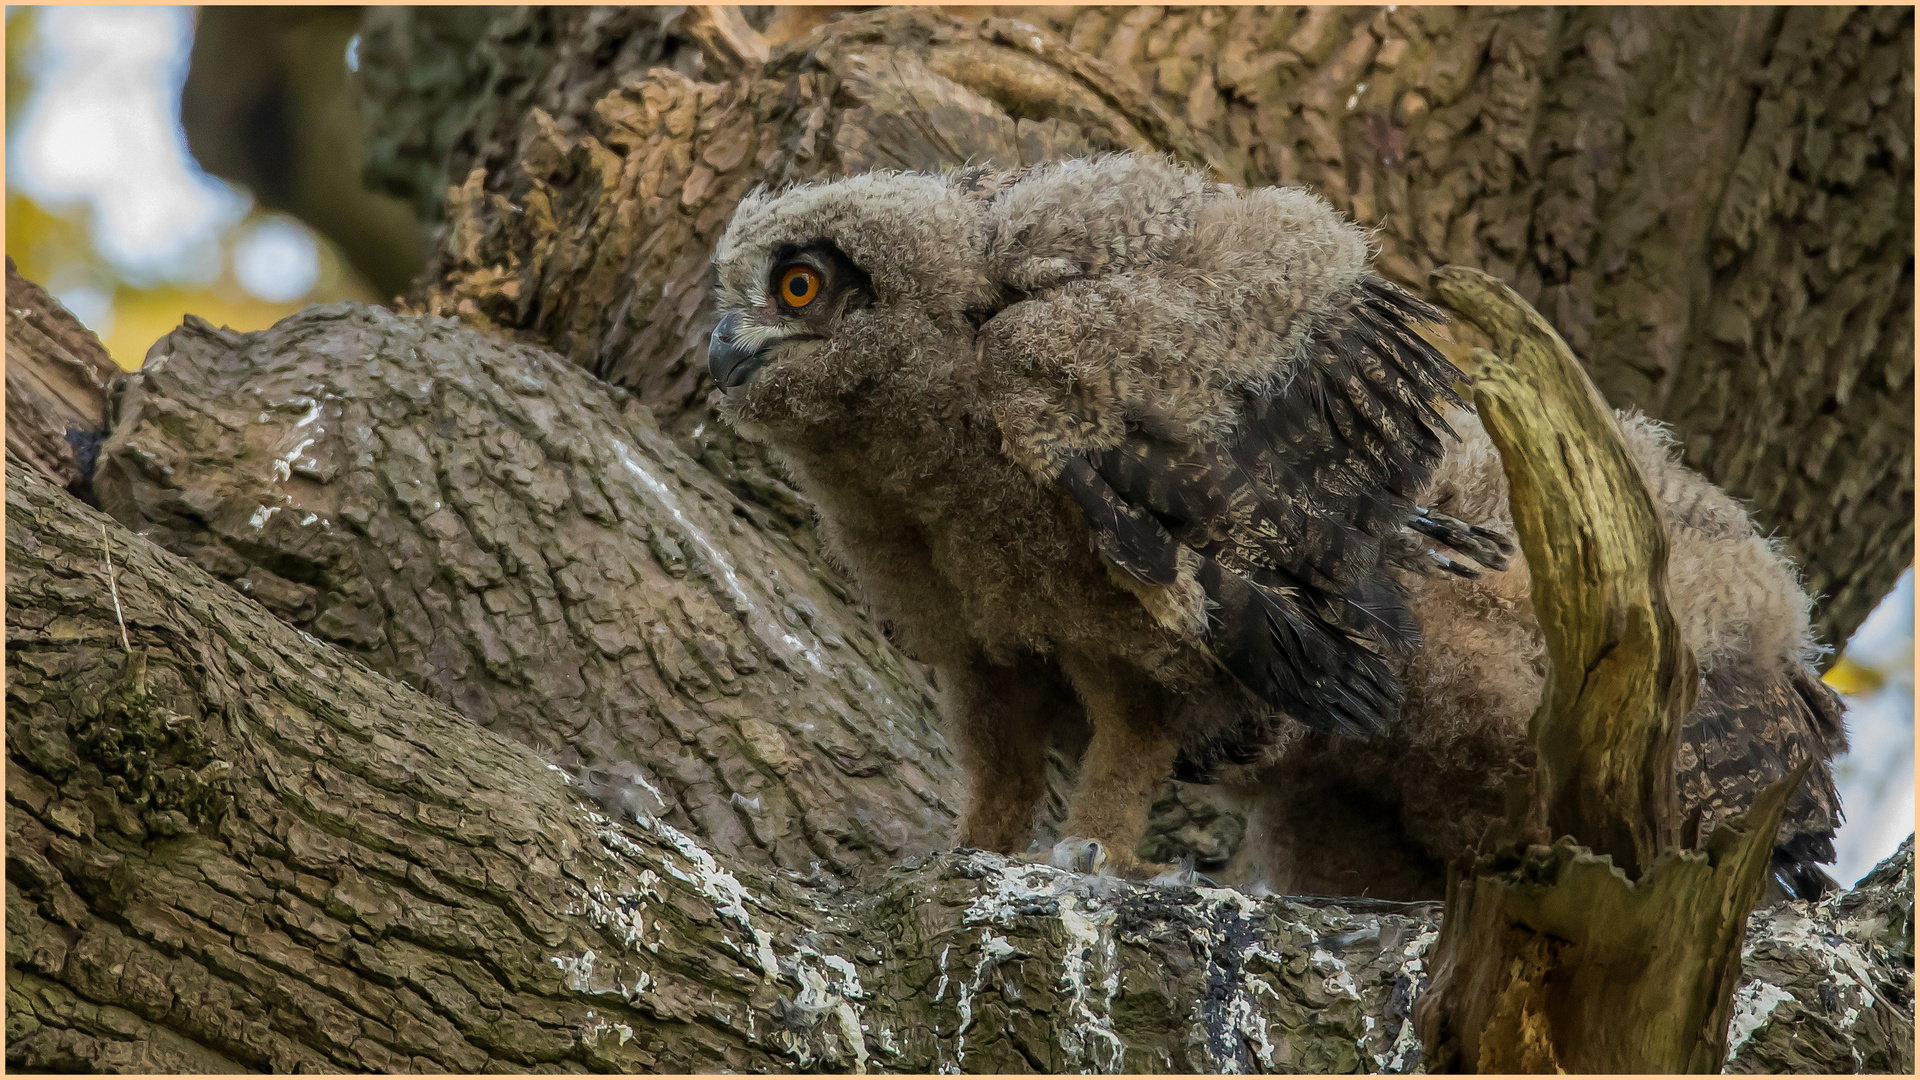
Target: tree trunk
1714	206
235	843
231	846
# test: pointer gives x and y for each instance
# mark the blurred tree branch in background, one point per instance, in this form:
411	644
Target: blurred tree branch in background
267	105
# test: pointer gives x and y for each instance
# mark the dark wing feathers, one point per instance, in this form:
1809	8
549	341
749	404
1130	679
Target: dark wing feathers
1132	539
1288	515
1299	513
1752	725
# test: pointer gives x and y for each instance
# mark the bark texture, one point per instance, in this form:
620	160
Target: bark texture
520	541
231	846
58	377
1712	205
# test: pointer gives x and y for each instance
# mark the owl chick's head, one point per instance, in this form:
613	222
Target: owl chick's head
859	287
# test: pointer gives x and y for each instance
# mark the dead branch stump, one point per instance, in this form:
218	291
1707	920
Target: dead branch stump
1613	948
58	375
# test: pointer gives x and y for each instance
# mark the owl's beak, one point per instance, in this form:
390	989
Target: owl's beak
731	362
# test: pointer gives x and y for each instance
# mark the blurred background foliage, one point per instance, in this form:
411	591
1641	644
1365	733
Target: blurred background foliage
162	161
247	211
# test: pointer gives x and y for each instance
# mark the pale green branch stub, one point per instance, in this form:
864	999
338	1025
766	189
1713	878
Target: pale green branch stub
1637	936
1621	681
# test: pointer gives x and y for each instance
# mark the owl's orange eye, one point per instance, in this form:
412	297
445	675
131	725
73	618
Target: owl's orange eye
799	285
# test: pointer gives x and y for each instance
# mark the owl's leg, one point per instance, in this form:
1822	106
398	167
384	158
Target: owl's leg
1130	755
1002	715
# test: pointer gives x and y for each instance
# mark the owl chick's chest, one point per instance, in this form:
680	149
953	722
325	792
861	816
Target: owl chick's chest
1017	557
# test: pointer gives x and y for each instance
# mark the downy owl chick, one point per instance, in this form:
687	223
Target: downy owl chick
1384	818
1103	440
1101	437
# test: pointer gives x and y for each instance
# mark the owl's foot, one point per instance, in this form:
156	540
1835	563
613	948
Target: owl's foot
1084	856
1080	855
1488	547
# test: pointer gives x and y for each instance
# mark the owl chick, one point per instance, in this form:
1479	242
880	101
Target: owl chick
1108	443
1385	818
1102	439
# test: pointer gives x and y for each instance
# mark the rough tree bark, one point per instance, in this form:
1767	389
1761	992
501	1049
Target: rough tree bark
234	845
520	541
1710	204
58	374
370	881
230	846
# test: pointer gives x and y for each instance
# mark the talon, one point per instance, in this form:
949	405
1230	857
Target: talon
1080	855
1453	567
1488	547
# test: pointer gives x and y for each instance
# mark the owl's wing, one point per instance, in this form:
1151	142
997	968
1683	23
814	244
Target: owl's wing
1287	514
1752	726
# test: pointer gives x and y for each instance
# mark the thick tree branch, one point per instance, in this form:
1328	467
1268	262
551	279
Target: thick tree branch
236	847
521	542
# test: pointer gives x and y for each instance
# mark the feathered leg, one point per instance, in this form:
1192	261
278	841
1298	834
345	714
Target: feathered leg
1002	715
1130	755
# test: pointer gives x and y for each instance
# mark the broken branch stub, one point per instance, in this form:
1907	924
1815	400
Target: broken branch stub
1621	680
1552	960
1613	949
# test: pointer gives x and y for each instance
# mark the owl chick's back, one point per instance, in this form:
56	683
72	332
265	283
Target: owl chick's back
1240	409
1436	782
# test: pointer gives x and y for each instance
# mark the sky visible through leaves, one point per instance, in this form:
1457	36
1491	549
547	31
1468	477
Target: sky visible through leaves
108	211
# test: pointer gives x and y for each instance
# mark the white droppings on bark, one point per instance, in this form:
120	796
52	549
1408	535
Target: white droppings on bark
1752	1004
722	888
1407	1051
785	645
580	971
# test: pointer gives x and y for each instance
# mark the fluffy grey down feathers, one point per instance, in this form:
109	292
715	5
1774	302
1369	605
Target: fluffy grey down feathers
1072	429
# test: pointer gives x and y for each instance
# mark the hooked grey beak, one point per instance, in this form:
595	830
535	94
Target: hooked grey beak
731	362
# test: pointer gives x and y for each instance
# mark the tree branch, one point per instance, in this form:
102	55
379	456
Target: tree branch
522	543
237	847
58	379
1621	682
